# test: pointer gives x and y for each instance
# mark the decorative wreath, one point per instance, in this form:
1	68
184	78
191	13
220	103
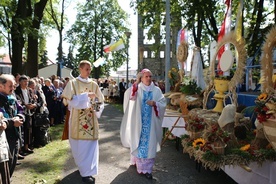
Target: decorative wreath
266	62
182	51
238	76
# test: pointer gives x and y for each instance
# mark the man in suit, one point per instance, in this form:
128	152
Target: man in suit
122	89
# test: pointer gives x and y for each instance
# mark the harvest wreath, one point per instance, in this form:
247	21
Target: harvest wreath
218	147
203	152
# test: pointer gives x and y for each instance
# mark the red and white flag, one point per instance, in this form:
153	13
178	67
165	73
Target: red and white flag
225	28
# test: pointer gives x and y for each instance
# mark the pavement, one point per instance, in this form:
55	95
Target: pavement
171	166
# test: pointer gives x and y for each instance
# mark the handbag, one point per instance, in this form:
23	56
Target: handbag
42	119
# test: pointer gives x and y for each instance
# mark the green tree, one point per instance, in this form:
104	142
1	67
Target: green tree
98	22
21	21
58	17
258	25
43	59
204	18
12	21
35	14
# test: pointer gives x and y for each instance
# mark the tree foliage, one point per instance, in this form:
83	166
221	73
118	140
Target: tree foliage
20	21
24	26
203	18
59	18
98	22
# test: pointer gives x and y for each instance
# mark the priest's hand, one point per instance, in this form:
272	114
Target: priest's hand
91	95
151	102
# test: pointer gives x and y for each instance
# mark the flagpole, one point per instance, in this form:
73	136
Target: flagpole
128	34
168	48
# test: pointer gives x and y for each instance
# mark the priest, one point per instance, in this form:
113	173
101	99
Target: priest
82	95
141	127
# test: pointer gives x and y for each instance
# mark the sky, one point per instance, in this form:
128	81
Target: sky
52	40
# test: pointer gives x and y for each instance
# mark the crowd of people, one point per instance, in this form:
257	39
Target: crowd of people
114	93
22	101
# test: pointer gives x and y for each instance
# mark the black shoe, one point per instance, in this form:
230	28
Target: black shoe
148	176
88	179
18	163
22	153
20	157
28	151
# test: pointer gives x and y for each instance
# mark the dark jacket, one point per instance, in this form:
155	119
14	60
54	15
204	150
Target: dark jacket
20	97
122	87
11	108
50	94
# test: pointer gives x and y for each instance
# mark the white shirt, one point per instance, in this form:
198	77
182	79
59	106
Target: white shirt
25	95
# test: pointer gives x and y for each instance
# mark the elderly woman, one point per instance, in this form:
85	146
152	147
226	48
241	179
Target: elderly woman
141	128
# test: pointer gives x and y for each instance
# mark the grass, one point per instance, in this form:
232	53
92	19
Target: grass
47	163
118	106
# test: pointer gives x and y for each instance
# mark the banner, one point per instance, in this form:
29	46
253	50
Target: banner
99	62
181	36
238	26
225	28
114	46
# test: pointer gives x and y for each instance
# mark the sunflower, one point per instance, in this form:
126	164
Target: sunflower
262	96
174	70
170	74
245	147
199	142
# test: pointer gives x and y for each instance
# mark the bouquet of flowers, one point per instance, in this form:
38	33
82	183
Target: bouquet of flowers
196	124
216	133
173	76
189	86
265	106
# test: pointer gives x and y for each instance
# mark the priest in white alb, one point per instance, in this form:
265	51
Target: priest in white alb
81	94
141	127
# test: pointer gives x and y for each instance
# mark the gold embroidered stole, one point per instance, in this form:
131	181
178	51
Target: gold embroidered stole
84	125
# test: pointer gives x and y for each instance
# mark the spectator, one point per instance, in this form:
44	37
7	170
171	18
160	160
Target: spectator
58	105
122	89
50	94
105	89
161	85
13	112
4	149
26	100
36	99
